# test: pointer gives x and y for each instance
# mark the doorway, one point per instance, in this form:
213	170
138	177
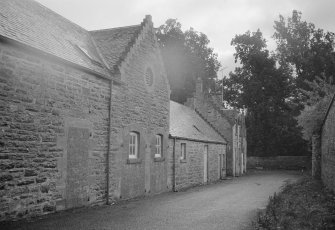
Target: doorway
222	163
206	164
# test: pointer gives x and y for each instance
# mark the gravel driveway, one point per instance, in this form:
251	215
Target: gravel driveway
230	204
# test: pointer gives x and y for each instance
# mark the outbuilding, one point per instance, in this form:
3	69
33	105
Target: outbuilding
197	153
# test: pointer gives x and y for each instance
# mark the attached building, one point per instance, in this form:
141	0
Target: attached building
230	123
197	153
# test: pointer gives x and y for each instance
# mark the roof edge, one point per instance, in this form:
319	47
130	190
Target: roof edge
114	28
52	57
210	124
196	140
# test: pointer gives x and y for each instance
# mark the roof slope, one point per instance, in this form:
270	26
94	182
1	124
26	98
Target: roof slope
32	24
186	123
114	43
230	114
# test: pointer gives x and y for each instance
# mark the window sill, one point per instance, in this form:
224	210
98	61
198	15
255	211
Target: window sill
159	159
134	161
183	161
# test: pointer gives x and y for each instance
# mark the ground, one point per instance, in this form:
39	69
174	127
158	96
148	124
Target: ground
230	204
306	204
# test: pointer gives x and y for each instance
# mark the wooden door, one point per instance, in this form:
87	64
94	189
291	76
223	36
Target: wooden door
206	164
222	161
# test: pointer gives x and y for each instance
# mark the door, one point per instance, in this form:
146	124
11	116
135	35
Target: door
77	167
242	163
147	170
206	164
222	166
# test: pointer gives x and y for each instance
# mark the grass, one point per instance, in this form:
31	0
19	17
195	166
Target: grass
302	205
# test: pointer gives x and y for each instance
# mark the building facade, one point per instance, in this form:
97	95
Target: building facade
85	117
230	123
197	153
84	114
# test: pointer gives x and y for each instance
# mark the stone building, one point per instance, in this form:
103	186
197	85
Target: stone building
323	148
84	115
230	123
197	153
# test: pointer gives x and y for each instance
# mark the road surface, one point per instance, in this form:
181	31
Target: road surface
230	204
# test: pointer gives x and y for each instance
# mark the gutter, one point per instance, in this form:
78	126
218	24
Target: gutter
109	140
174	166
203	141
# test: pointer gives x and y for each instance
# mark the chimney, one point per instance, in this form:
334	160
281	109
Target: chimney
198	86
148	18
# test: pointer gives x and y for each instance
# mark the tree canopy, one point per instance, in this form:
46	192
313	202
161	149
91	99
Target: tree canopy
309	50
187	56
274	87
264	89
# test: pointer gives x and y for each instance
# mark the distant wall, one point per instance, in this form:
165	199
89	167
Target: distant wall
280	162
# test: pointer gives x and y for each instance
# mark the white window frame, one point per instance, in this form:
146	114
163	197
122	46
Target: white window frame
183	151
133	145
159	146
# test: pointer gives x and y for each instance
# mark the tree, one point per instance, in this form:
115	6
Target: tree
308	50
316	106
172	43
204	61
186	56
264	89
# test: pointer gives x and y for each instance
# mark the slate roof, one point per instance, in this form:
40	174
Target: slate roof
32	24
114	43
186	123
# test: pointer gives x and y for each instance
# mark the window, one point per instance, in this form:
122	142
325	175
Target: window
183	151
149	77
133	145
159	141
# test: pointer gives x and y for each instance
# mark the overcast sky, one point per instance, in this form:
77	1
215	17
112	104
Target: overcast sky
220	20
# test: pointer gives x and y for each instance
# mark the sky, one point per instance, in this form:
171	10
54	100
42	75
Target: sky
220	20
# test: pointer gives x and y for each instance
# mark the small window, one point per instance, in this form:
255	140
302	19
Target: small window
133	145
149	77
183	151
159	141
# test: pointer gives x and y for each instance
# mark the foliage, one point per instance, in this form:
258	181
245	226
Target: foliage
186	56
264	89
303	205
318	100
310	51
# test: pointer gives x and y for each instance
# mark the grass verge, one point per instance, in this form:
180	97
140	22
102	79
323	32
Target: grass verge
302	205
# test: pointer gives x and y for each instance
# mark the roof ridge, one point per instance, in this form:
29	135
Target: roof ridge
114	28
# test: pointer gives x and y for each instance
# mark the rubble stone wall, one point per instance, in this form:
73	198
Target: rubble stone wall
328	149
